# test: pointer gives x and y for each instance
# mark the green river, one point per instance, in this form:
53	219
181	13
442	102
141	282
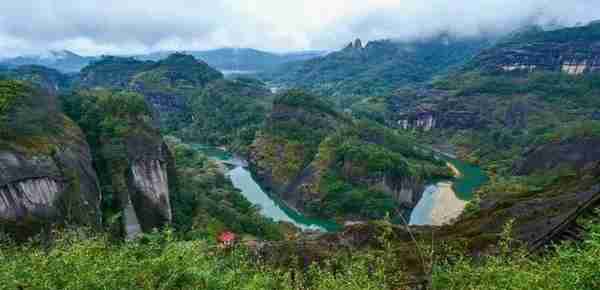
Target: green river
471	178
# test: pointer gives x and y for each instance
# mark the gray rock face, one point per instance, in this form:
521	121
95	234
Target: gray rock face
574	51
49	189
426	120
145	202
578	154
150	198
407	191
36	197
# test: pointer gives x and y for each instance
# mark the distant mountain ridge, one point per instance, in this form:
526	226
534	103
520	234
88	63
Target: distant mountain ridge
223	59
61	60
572	50
380	66
240	59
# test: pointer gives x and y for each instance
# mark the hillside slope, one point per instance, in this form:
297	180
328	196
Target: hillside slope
324	163
379	67
46	173
191	99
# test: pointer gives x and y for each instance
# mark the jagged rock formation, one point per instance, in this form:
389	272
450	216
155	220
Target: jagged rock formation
46	174
573	51
145	201
132	160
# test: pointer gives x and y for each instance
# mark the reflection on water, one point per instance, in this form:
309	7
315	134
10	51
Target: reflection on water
440	201
444	201
270	207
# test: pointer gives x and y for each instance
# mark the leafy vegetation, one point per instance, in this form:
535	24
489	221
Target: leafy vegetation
356	167
205	203
29	118
163	261
226	112
363	157
379	68
566	267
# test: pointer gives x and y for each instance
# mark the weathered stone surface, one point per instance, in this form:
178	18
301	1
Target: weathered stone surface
145	196
574	51
43	188
577	154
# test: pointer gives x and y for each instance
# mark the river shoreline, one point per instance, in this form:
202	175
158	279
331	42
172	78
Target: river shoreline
441	203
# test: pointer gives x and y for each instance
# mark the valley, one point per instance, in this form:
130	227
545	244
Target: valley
443	162
431	209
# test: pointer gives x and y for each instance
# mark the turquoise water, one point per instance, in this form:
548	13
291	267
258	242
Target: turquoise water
270	206
472	178
464	187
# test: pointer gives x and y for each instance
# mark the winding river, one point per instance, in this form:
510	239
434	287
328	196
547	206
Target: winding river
441	201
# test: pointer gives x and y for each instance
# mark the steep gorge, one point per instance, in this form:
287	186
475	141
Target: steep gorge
324	163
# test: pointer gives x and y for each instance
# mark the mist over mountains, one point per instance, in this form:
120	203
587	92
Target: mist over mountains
146	26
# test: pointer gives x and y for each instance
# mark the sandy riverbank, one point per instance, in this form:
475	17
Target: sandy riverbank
446	206
455	170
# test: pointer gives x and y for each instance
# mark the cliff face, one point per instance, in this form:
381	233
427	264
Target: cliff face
130	157
146	202
428	109
49	188
573	51
46	173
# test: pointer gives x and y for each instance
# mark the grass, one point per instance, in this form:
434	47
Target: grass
80	260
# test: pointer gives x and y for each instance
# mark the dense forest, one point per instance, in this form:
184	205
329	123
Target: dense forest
103	184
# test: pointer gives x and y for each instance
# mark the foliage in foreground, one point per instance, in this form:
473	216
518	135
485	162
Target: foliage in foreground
160	261
567	267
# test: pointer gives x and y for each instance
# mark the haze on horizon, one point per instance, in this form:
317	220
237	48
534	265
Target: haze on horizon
93	27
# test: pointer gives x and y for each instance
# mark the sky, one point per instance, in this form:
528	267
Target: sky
94	27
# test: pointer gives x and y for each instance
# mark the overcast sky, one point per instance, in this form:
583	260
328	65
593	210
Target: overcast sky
92	27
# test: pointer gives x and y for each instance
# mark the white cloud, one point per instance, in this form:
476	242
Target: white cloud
134	26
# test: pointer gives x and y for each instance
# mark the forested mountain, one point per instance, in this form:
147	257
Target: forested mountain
379	67
223	59
326	164
49	79
241	59
191	98
527	110
100	171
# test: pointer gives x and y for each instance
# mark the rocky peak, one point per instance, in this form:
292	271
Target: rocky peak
355	46
358	44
